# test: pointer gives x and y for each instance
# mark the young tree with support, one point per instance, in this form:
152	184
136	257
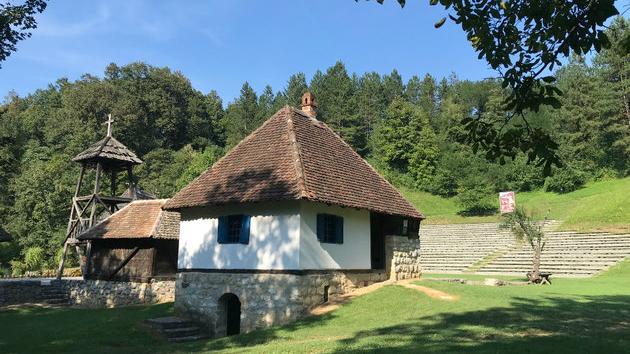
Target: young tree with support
525	229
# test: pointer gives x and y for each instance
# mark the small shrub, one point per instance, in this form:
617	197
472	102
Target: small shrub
18	268
35	259
565	180
605	174
443	184
476	200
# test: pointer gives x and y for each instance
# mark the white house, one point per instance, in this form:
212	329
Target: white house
288	217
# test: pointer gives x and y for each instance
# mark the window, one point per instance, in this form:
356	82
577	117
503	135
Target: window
329	228
405	227
234	229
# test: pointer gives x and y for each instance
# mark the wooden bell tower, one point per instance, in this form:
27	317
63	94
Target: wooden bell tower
108	158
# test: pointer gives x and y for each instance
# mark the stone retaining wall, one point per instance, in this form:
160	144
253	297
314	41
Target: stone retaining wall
87	293
100	293
14	292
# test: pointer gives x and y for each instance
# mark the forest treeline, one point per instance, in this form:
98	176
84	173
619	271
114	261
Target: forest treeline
410	130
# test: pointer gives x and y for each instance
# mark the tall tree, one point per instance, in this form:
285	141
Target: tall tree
405	141
335	95
296	87
241	116
371	103
16	21
393	86
523	41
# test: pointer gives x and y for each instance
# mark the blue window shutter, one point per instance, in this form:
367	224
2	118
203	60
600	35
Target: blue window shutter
223	229
244	236
321	226
338	229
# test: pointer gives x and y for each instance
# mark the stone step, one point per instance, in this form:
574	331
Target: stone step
169	322
188	338
181	332
177	329
57	301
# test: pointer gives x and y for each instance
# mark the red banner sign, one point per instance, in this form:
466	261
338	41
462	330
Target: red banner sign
507	201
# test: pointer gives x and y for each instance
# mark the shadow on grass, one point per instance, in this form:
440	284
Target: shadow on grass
589	324
580	324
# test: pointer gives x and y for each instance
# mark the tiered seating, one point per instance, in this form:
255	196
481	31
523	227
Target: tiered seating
455	247
566	254
486	249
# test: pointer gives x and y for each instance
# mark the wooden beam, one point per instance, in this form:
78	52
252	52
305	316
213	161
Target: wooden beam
97	188
124	262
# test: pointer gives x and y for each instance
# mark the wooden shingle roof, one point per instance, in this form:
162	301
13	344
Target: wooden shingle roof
138	219
108	148
291	157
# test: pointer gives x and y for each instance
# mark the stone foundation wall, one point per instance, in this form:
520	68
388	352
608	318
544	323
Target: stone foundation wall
402	257
266	298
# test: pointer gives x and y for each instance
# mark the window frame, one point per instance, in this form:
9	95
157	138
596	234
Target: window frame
330	228
233	229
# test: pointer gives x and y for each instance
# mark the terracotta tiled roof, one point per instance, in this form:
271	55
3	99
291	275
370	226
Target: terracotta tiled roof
110	149
138	219
292	156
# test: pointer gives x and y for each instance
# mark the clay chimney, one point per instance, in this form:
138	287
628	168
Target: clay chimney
309	105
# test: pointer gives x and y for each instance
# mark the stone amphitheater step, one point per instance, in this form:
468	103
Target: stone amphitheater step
456	247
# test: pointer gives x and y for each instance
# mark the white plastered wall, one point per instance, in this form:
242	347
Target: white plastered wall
273	241
283	236
354	253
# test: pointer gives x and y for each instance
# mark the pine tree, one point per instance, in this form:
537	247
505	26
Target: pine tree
371	106
393	86
335	95
241	116
405	142
296	87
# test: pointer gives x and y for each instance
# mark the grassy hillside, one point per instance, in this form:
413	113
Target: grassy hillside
599	206
570	316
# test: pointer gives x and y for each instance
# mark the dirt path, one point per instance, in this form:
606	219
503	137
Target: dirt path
335	303
434	293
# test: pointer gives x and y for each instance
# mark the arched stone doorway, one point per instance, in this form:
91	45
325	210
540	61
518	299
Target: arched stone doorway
229	315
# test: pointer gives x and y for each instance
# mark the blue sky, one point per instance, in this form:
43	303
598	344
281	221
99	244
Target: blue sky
220	44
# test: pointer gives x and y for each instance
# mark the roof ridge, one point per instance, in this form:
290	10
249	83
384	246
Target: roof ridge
356	154
297	158
157	223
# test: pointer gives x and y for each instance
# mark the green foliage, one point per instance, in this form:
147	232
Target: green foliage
405	141
410	132
198	164
18	268
523	41
523	226
476	199
16	21
35	258
565	180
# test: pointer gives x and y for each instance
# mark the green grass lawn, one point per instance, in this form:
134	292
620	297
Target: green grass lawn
570	316
603	205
